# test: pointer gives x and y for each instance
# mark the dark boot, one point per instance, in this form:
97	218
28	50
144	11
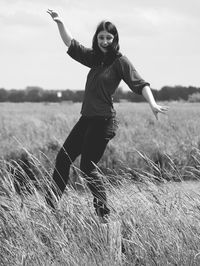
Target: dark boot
101	210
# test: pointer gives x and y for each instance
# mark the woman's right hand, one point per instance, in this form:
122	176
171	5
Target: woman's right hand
54	15
64	33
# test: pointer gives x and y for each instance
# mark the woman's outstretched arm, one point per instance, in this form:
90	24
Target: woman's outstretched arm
64	33
156	108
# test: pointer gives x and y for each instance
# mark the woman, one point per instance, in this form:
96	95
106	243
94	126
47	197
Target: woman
97	125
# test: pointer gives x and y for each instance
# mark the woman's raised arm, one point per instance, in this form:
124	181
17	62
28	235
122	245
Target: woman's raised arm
64	33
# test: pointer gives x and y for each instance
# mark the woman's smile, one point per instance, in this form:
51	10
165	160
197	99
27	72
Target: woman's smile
104	39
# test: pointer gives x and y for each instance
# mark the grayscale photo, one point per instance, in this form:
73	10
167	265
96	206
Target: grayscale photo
99	133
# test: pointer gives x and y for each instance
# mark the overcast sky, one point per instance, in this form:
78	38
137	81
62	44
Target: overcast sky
160	37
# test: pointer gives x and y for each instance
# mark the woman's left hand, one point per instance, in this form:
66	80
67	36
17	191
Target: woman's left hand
156	108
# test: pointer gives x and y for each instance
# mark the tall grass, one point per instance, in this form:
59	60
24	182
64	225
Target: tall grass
159	223
159	217
42	128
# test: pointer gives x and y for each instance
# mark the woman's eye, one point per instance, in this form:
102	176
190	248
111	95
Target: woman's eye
108	38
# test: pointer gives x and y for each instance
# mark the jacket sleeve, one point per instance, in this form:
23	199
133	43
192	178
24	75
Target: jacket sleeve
81	54
130	76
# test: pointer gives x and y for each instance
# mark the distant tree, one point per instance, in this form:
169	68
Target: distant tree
49	96
37	94
34	94
133	97
178	92
16	96
78	96
164	94
67	95
3	95
195	97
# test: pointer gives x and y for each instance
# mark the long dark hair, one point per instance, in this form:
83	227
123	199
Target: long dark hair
113	49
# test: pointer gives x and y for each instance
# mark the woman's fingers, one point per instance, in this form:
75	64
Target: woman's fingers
156	114
49	12
52	13
160	109
164	109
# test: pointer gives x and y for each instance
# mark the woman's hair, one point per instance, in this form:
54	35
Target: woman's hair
109	27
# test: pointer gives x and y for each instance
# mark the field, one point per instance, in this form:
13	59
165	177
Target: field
159	216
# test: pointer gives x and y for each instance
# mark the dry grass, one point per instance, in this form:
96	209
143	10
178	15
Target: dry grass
44	127
159	225
159	219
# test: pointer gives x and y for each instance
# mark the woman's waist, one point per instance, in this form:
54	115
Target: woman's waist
99	111
98	117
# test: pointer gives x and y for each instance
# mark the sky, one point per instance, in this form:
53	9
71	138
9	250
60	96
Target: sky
160	37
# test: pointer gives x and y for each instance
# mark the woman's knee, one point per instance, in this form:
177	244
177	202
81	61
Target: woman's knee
88	168
63	157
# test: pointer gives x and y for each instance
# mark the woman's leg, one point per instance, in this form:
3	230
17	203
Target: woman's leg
95	141
92	152
70	150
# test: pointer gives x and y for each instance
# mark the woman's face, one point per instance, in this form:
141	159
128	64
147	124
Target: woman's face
104	39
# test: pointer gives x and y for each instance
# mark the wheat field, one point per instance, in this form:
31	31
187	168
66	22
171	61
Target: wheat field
151	171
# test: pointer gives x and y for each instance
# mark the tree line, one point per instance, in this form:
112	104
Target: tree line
38	94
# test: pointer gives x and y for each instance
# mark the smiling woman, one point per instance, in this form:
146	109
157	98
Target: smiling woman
97	125
104	39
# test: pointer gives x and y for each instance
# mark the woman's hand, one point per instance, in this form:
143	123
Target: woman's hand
156	108
64	33
54	15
